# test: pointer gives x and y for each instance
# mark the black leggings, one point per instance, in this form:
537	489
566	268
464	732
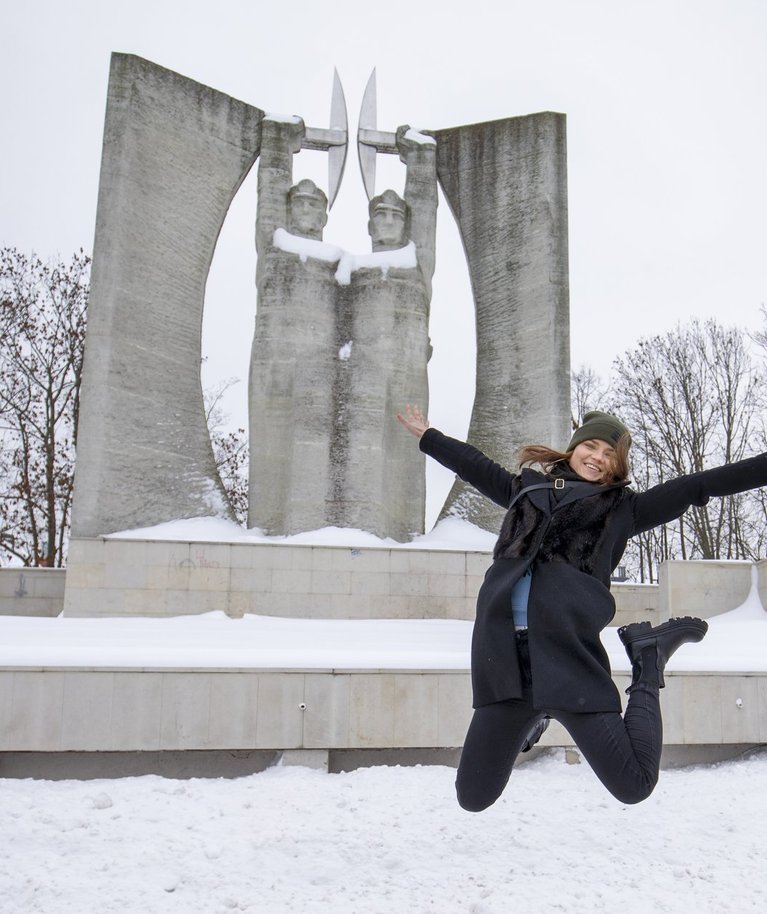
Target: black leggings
624	752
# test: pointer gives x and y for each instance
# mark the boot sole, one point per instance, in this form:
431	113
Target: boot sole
636	632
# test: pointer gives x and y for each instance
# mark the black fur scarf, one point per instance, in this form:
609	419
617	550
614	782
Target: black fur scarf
575	534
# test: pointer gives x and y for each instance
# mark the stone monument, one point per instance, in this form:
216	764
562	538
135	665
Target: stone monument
383	486
341	340
506	184
340	343
175	153
291	389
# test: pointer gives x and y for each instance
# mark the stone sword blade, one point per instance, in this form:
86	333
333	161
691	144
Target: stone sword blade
337	154
367	121
370	140
334	140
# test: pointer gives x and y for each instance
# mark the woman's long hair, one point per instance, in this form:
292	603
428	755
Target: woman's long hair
548	458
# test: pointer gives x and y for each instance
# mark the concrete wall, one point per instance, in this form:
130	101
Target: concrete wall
175	153
703	588
161	578
104	710
153	719
31	591
761	581
506	184
130	577
150	710
637	603
139	577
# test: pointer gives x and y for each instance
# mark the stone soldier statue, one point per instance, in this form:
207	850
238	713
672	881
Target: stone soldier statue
291	382
383	487
334	355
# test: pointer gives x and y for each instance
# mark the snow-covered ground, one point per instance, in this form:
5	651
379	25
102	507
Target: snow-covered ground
383	840
386	841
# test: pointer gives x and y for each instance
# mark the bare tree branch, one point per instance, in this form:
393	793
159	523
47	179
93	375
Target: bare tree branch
693	400
42	331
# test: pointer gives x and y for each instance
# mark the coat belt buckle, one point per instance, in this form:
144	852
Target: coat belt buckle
559	483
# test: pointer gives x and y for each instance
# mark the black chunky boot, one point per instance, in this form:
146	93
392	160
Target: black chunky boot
650	647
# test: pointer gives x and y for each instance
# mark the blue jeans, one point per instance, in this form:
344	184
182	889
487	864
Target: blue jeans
624	751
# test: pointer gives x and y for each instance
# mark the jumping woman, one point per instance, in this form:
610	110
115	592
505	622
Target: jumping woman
536	652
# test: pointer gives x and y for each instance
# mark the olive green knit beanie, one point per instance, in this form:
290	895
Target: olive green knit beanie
601	426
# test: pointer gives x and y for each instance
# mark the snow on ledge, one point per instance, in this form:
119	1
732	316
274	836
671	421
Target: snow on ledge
451	533
213	641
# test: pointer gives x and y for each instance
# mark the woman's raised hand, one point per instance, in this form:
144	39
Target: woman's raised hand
414	420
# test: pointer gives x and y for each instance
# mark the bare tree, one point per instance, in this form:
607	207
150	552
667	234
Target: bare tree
230	449
587	392
693	400
42	329
42	336
760	336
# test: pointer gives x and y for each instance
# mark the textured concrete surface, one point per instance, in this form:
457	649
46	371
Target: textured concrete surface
383	480
32	591
137	577
175	152
87	710
293	359
506	184
704	588
291	399
190	763
382	484
141	577
113	577
333	361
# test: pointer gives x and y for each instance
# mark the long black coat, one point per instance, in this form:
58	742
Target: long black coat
573	547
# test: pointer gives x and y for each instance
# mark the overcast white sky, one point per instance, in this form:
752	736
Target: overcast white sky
667	123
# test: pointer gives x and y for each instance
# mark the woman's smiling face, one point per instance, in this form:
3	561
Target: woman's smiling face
594	460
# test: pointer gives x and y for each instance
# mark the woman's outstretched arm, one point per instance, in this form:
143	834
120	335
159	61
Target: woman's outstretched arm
669	500
488	477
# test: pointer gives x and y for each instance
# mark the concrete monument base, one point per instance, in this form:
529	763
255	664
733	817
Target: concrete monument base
212	723
134	577
96	718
